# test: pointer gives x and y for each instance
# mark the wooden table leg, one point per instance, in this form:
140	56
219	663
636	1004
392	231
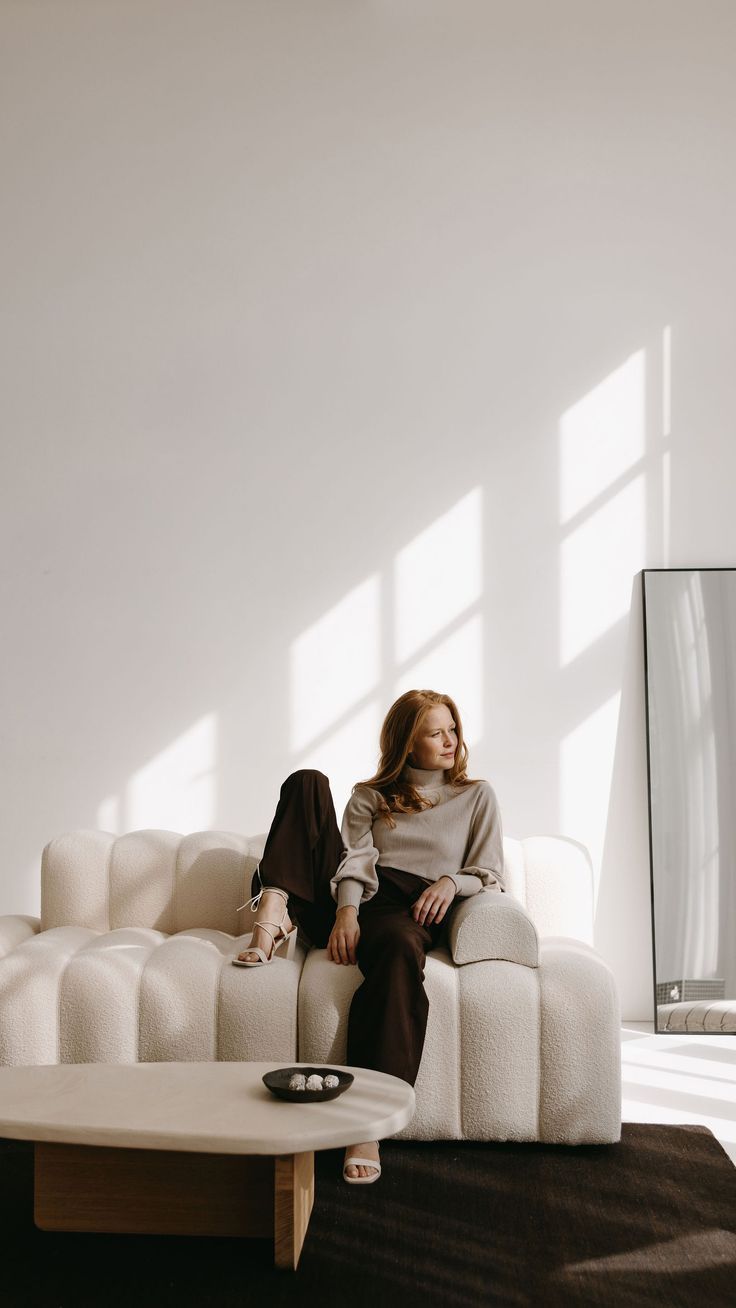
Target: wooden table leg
91	1188
148	1191
293	1193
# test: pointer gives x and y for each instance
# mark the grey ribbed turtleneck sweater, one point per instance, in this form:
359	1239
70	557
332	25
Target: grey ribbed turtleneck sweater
460	837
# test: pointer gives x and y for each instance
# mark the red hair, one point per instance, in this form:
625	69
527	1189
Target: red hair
401	727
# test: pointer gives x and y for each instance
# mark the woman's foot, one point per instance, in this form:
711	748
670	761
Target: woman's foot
272	909
367	1150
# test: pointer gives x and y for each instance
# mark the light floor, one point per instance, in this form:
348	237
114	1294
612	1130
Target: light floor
680	1078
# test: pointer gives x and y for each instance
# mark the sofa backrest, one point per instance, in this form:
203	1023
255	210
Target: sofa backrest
553	877
150	878
175	882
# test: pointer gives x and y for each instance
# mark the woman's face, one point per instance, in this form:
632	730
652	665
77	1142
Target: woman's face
436	744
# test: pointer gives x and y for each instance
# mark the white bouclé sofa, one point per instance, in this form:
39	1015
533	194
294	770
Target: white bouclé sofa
130	961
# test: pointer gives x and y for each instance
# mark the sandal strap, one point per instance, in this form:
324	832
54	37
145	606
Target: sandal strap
283	935
266	925
254	902
256	949
256	899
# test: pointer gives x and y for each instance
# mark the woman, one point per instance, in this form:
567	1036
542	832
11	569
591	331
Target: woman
416	836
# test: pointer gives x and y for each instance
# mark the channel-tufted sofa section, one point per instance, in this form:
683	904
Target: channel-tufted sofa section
130	961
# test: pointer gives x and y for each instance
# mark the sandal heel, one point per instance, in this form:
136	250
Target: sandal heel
289	941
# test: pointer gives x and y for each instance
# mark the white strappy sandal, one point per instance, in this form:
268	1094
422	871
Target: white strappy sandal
284	937
353	1160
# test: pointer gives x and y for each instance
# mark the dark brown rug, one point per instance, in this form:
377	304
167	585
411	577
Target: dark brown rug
648	1221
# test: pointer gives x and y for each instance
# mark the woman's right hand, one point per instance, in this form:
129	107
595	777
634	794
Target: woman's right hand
344	937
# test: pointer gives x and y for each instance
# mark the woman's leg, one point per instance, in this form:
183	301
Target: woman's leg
302	852
387	1022
388	1014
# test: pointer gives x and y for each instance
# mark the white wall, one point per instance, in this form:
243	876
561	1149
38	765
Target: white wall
349	347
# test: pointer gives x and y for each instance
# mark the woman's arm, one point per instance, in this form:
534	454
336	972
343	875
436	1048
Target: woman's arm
355	879
483	863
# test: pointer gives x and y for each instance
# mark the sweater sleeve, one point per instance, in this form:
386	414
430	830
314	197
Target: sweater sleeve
355	879
483	864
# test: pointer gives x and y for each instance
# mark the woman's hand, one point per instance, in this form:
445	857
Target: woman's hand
433	902
344	937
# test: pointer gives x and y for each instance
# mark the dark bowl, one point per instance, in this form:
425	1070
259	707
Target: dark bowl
278	1083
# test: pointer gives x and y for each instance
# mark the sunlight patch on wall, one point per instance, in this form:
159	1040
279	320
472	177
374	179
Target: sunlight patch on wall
586	768
453	667
335	663
602	436
438	575
602	488
348	753
343	674
175	791
598	560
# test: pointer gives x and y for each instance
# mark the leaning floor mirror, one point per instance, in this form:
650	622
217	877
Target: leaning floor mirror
690	681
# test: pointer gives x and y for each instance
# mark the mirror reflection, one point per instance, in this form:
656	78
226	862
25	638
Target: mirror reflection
690	660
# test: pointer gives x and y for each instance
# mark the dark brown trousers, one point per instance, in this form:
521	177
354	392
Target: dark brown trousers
388	1014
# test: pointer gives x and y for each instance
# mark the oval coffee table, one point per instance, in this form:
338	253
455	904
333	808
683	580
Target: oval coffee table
185	1148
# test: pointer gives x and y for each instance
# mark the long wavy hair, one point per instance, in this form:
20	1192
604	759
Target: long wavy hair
401	727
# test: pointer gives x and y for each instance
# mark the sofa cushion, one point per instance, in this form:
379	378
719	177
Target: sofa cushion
134	994
491	925
14	929
326	990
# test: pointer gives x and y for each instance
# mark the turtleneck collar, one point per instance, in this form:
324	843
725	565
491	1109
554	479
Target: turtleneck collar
425	778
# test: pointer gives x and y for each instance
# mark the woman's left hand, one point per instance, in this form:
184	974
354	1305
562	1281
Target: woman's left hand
433	902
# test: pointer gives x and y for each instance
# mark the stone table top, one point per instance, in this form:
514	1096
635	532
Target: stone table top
214	1107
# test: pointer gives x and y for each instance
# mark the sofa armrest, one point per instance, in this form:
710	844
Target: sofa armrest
14	929
580	1044
490	925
